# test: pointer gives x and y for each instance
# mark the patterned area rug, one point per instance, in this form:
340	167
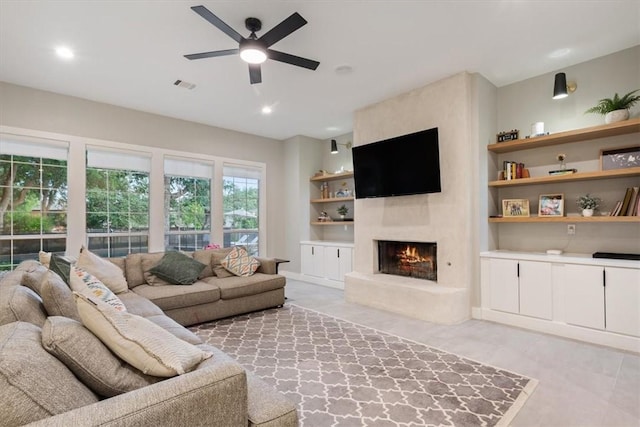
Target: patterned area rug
343	374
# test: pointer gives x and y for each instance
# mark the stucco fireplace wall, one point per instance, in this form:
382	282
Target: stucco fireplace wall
446	217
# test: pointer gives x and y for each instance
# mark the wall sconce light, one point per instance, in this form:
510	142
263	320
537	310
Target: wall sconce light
562	89
334	146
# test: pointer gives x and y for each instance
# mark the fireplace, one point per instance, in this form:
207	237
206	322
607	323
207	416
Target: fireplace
413	259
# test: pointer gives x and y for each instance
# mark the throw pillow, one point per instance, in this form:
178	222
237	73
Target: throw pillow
239	262
89	359
86	284
57	297
61	266
33	383
138	341
177	268
107	272
44	258
149	261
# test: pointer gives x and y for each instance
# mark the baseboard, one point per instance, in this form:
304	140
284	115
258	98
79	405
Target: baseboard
593	336
476	313
311	279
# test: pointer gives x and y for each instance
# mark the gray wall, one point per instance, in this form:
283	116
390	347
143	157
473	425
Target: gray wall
29	108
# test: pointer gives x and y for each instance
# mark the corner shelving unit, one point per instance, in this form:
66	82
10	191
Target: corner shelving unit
328	178
586	134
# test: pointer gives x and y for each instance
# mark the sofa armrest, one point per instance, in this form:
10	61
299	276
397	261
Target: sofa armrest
267	265
214	396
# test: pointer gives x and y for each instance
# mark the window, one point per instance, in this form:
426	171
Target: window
241	201
33	199
117	199
187	195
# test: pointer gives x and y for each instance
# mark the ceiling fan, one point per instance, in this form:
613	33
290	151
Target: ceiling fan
256	50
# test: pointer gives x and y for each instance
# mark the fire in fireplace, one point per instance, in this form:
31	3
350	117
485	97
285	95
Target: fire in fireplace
413	259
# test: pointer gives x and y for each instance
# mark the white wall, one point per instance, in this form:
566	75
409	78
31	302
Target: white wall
28	108
528	101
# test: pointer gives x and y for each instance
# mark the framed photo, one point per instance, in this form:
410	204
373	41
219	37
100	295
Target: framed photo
515	207
551	205
620	158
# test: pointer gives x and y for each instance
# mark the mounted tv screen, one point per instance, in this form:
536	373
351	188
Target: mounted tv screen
400	166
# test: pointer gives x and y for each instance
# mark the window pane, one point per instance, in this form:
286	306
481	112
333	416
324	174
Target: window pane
187	207
241	210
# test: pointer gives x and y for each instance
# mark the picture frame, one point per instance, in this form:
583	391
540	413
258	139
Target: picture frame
515	208
620	158
551	205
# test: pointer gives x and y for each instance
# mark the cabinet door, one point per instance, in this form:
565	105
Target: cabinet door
622	300
504	285
344	258
584	295
536	289
332	263
312	260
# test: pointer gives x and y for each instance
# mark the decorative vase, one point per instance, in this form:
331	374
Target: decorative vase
587	212
616	116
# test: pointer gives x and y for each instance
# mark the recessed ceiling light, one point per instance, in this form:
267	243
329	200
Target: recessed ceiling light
559	53
64	52
267	110
332	128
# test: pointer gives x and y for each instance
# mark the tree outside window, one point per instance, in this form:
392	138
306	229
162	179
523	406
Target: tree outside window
241	213
187	212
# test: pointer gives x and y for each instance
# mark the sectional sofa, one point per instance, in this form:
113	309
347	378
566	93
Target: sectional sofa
54	372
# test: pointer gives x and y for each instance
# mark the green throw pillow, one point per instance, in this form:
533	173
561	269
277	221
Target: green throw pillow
60	266
177	268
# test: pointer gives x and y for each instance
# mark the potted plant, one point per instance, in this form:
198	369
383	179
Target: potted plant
615	109
342	211
588	204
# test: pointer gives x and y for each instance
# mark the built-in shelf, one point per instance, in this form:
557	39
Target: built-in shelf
567	219
332	223
332	176
580	176
613	129
331	200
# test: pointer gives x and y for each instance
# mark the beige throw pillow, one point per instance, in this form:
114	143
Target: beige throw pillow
86	284
239	262
138	341
107	272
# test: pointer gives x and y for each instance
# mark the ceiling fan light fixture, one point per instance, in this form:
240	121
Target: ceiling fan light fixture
252	51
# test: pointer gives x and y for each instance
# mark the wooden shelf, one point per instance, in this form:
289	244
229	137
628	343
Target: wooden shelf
586	134
580	176
332	176
332	200
567	219
332	223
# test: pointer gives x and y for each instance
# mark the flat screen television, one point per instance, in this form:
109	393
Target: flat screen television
400	166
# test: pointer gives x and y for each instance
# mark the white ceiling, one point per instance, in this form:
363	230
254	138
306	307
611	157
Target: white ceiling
129	53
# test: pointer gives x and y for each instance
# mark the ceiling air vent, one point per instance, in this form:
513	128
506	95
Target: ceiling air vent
183	84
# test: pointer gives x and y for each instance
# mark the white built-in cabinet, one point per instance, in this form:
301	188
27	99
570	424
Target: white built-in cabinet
521	287
326	260
606	298
595	300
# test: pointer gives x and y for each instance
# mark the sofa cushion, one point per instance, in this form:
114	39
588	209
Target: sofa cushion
149	261
87	284
204	256
239	262
139	305
32	278
19	303
106	271
138	341
89	359
57	297
175	328
177	268
237	287
175	296
33	383
133	270
216	258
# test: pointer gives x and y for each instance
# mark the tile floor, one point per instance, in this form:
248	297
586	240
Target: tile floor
579	384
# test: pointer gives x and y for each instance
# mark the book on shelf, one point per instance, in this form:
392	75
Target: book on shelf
563	172
625	202
633	205
616	210
513	170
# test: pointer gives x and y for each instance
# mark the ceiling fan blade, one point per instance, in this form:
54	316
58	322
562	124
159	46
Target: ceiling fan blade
212	54
283	29
255	73
219	23
292	59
